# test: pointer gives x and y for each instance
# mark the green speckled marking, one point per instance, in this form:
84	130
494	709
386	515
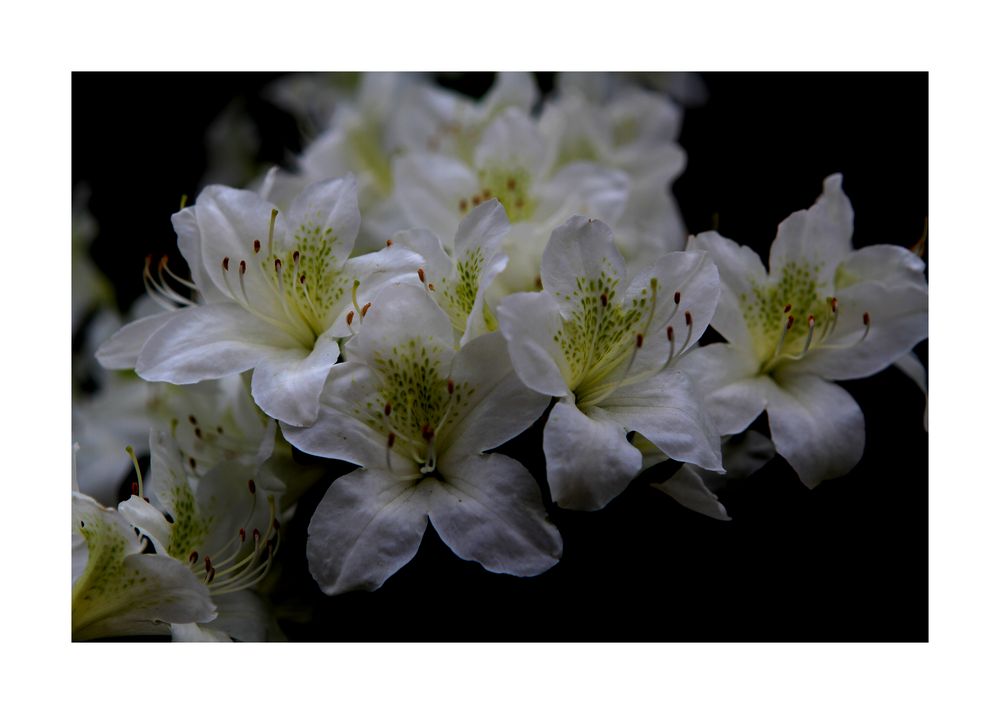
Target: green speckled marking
764	309
104	576
511	186
413	380
189	529
596	335
459	295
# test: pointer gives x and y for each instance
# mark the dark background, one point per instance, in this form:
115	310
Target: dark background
844	562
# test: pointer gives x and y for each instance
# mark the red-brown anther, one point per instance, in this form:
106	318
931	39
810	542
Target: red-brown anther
192	463
193	558
476	200
364	308
135	488
538	282
687	318
211	576
163	262
256	246
208	564
388	243
350	318
463	205
451	386
276	524
670	333
833	304
197	431
302	279
427	431
277	264
430	286
604	299
420	274
243	535
866	318
243	267
146	499
677	298
388	408
252	485
638	340
791	321
295	257
812	320
256	534
391	440
193	419
225	263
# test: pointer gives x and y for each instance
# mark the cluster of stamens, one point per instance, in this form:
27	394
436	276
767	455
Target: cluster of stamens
159	288
813	341
423	450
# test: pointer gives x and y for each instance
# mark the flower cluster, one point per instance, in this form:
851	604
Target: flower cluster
433	277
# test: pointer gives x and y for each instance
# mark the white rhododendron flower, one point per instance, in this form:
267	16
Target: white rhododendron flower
510	163
417	416
604	345
824	312
278	291
459	284
636	132
222	527
119	590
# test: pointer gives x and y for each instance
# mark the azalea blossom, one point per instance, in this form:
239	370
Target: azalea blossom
277	292
510	163
636	132
459	283
118	589
606	345
417	415
222	528
824	312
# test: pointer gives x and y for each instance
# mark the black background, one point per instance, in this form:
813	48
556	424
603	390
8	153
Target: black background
844	562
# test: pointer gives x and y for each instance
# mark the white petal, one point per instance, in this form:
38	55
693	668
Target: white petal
511	89
816	426
429	188
340	431
368	525
688	488
326	206
122	349
890	265
909	365
399	313
821	235
529	322
287	384
489	510
208	342
739	270
898	320
587	457
501	406
436	262
586	189
727	376
511	141
669	412
229	221
374	272
189	237
581	248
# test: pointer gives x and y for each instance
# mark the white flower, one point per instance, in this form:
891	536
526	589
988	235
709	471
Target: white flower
279	292
459	283
636	132
604	345
510	163
118	590
222	528
824	312
417	415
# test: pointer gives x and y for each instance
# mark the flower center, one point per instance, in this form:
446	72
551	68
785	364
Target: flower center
510	186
